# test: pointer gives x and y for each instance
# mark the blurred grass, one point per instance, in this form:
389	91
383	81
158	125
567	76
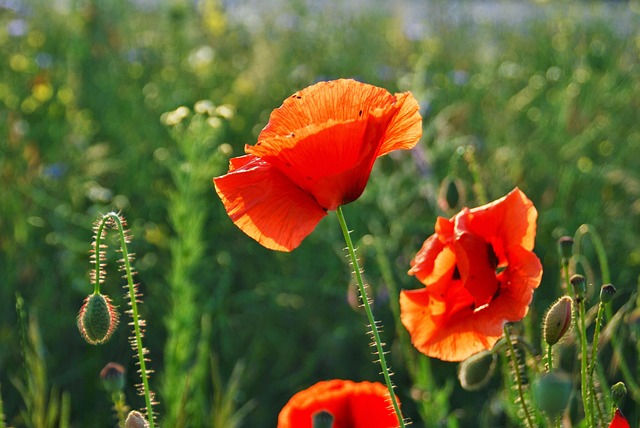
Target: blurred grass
548	103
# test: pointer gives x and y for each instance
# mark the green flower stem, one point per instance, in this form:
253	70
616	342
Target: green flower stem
97	248
372	322
516	372
134	313
596	338
549	358
584	360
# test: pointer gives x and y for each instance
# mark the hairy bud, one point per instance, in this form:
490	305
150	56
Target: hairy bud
475	371
97	319
557	321
135	420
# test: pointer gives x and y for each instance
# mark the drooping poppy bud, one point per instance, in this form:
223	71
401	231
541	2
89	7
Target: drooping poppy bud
618	392
578	282
551	392
322	419
475	371
113	377
607	292
565	245
135	420
451	195
97	319
557	321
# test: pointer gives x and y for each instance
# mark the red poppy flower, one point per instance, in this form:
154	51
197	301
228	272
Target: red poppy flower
315	154
479	271
352	405
619	421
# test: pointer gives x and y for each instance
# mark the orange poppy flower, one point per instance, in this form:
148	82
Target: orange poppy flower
479	272
352	405
315	154
619	421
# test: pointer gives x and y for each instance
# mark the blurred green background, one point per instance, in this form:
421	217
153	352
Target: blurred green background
544	96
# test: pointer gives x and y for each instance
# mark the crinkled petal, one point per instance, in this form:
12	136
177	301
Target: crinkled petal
405	129
337	100
266	205
331	161
508	221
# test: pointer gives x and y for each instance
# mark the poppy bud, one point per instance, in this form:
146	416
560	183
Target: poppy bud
618	392
607	292
451	194
565	245
97	319
551	392
113	378
578	282
135	420
557	321
322	419
475	371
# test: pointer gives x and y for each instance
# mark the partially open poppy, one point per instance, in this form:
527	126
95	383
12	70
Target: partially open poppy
315	154
619	421
479	272
351	404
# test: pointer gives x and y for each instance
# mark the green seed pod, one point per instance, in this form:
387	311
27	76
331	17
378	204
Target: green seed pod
565	246
322	419
557	321
607	292
618	392
578	282
475	371
552	391
135	420
97	319
113	377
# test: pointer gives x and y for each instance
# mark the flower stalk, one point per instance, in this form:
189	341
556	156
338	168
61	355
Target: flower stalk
116	221
516	373
372	322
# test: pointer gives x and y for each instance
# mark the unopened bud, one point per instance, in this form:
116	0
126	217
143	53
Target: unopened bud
322	419
113	377
565	246
451	194
475	371
578	282
97	319
618	392
551	392
607	292
557	321
135	420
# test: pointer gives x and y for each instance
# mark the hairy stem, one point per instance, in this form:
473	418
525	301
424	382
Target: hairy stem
516	373
134	315
372	322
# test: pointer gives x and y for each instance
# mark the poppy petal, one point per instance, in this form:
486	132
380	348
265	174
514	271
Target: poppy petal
510	220
331	161
438	334
406	127
619	421
434	261
336	100
266	205
477	272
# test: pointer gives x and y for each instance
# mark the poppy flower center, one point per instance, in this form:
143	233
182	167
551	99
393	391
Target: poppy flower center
477	268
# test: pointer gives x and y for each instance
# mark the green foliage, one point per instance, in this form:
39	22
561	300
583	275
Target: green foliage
549	104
